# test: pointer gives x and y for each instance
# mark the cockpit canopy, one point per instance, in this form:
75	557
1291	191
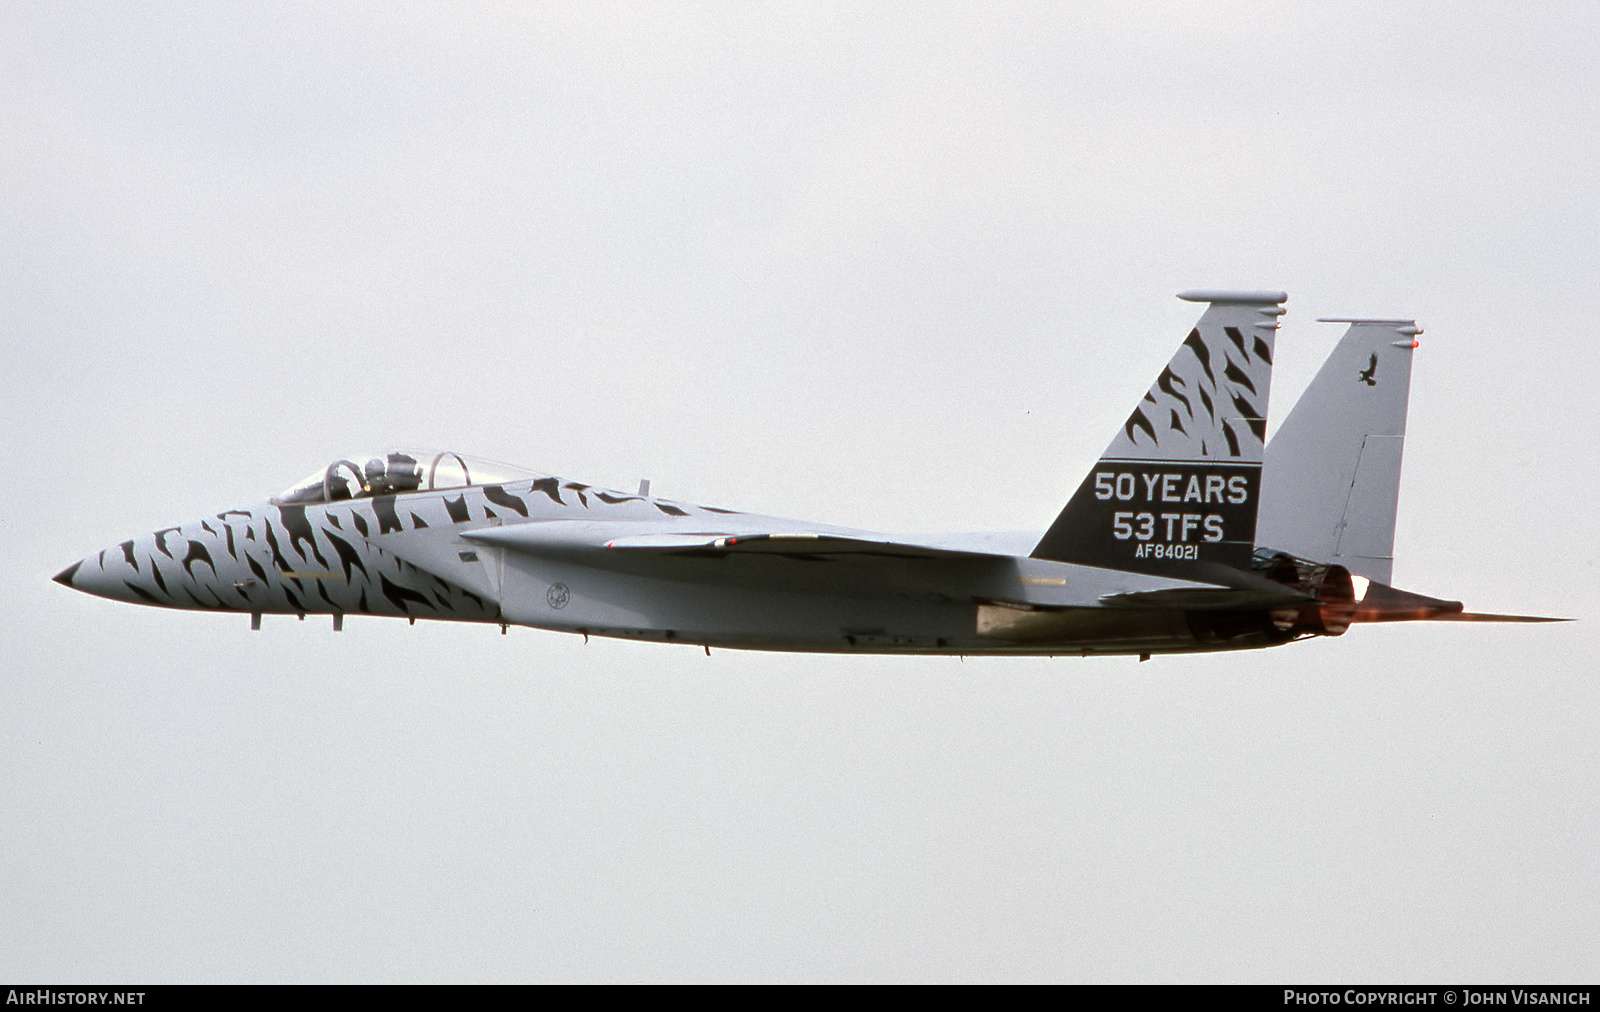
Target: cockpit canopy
398	472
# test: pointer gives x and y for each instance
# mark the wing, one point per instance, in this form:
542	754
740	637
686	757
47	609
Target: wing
568	537
750	552
770	554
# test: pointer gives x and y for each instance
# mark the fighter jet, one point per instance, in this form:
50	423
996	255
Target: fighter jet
1190	534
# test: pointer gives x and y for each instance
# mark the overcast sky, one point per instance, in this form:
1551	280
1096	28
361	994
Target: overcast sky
902	267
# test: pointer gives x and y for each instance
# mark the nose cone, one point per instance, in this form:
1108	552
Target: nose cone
65	576
107	574
191	566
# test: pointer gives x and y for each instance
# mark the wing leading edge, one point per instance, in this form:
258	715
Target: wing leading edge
569	536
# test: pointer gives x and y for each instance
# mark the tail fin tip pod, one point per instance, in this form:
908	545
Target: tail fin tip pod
1175	492
1227	296
1332	472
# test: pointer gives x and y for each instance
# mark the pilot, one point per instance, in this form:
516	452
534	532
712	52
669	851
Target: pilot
377	481
404	474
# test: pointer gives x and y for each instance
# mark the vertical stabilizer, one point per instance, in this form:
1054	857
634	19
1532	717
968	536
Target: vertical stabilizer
1332	480
1176	490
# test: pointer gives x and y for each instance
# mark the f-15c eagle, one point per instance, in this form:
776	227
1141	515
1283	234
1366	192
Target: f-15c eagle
1192	533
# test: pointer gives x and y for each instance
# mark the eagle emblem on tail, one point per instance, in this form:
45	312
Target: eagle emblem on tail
1370	373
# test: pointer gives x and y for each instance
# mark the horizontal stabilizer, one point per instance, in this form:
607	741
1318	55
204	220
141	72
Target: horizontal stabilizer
1473	616
1383	603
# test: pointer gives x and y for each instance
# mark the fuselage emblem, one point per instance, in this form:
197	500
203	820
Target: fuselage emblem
557	596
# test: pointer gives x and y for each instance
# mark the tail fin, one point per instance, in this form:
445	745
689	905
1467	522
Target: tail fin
1175	492
1332	479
